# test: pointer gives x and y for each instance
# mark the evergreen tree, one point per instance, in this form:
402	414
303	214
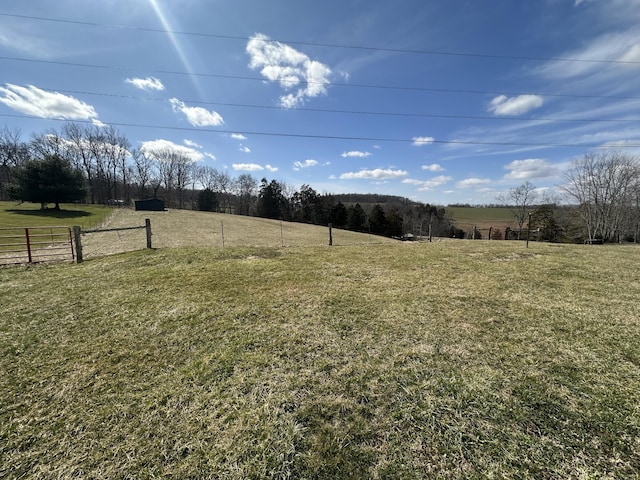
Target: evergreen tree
207	200
394	223
271	200
378	220
356	218
50	180
339	215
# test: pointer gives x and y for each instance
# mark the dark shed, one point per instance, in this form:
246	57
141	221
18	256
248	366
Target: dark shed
151	204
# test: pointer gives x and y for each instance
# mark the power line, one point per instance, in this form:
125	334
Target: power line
359	112
331	45
351	85
333	137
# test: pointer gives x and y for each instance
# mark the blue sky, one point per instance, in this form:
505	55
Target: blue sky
442	101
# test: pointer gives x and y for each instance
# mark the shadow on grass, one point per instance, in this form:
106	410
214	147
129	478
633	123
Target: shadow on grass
50	213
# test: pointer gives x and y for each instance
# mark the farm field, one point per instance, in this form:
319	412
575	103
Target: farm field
454	359
482	217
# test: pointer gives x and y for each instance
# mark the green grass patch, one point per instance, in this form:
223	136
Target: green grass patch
13	214
442	360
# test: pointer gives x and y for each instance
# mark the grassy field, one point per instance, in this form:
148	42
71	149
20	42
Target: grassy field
444	360
482	217
14	214
187	228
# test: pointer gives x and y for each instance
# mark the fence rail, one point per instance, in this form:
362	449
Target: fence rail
78	232
20	245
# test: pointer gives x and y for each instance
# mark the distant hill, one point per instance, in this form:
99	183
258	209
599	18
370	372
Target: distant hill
373	199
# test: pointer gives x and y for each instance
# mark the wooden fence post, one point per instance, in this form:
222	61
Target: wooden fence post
330	235
490	231
78	243
147	226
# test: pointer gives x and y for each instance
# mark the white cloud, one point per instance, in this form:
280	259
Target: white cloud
191	143
149	83
424	185
502	105
26	40
162	145
238	136
620	45
253	167
245	149
473	182
434	167
197	116
292	69
420	141
530	168
632	54
355	153
40	103
248	167
210	155
377	174
306	164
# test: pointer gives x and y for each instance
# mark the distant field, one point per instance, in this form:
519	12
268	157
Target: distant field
13	214
453	359
482	217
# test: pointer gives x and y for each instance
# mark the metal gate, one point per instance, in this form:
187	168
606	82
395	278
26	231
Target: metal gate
35	244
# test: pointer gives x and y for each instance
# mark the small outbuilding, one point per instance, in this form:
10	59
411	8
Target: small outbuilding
150	204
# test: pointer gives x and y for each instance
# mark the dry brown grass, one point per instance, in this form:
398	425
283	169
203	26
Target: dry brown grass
406	360
186	228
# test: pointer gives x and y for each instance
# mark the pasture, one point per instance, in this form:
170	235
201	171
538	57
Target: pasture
13	214
482	217
454	359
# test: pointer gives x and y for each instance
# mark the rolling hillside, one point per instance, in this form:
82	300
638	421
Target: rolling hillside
182	228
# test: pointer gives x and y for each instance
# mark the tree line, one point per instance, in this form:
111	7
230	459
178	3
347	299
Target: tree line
602	189
603	193
98	165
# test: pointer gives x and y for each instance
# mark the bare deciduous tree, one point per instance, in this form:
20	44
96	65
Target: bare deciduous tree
520	200
143	171
245	188
13	153
602	185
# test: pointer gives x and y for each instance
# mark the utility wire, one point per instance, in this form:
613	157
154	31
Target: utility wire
329	45
333	137
357	112
351	85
